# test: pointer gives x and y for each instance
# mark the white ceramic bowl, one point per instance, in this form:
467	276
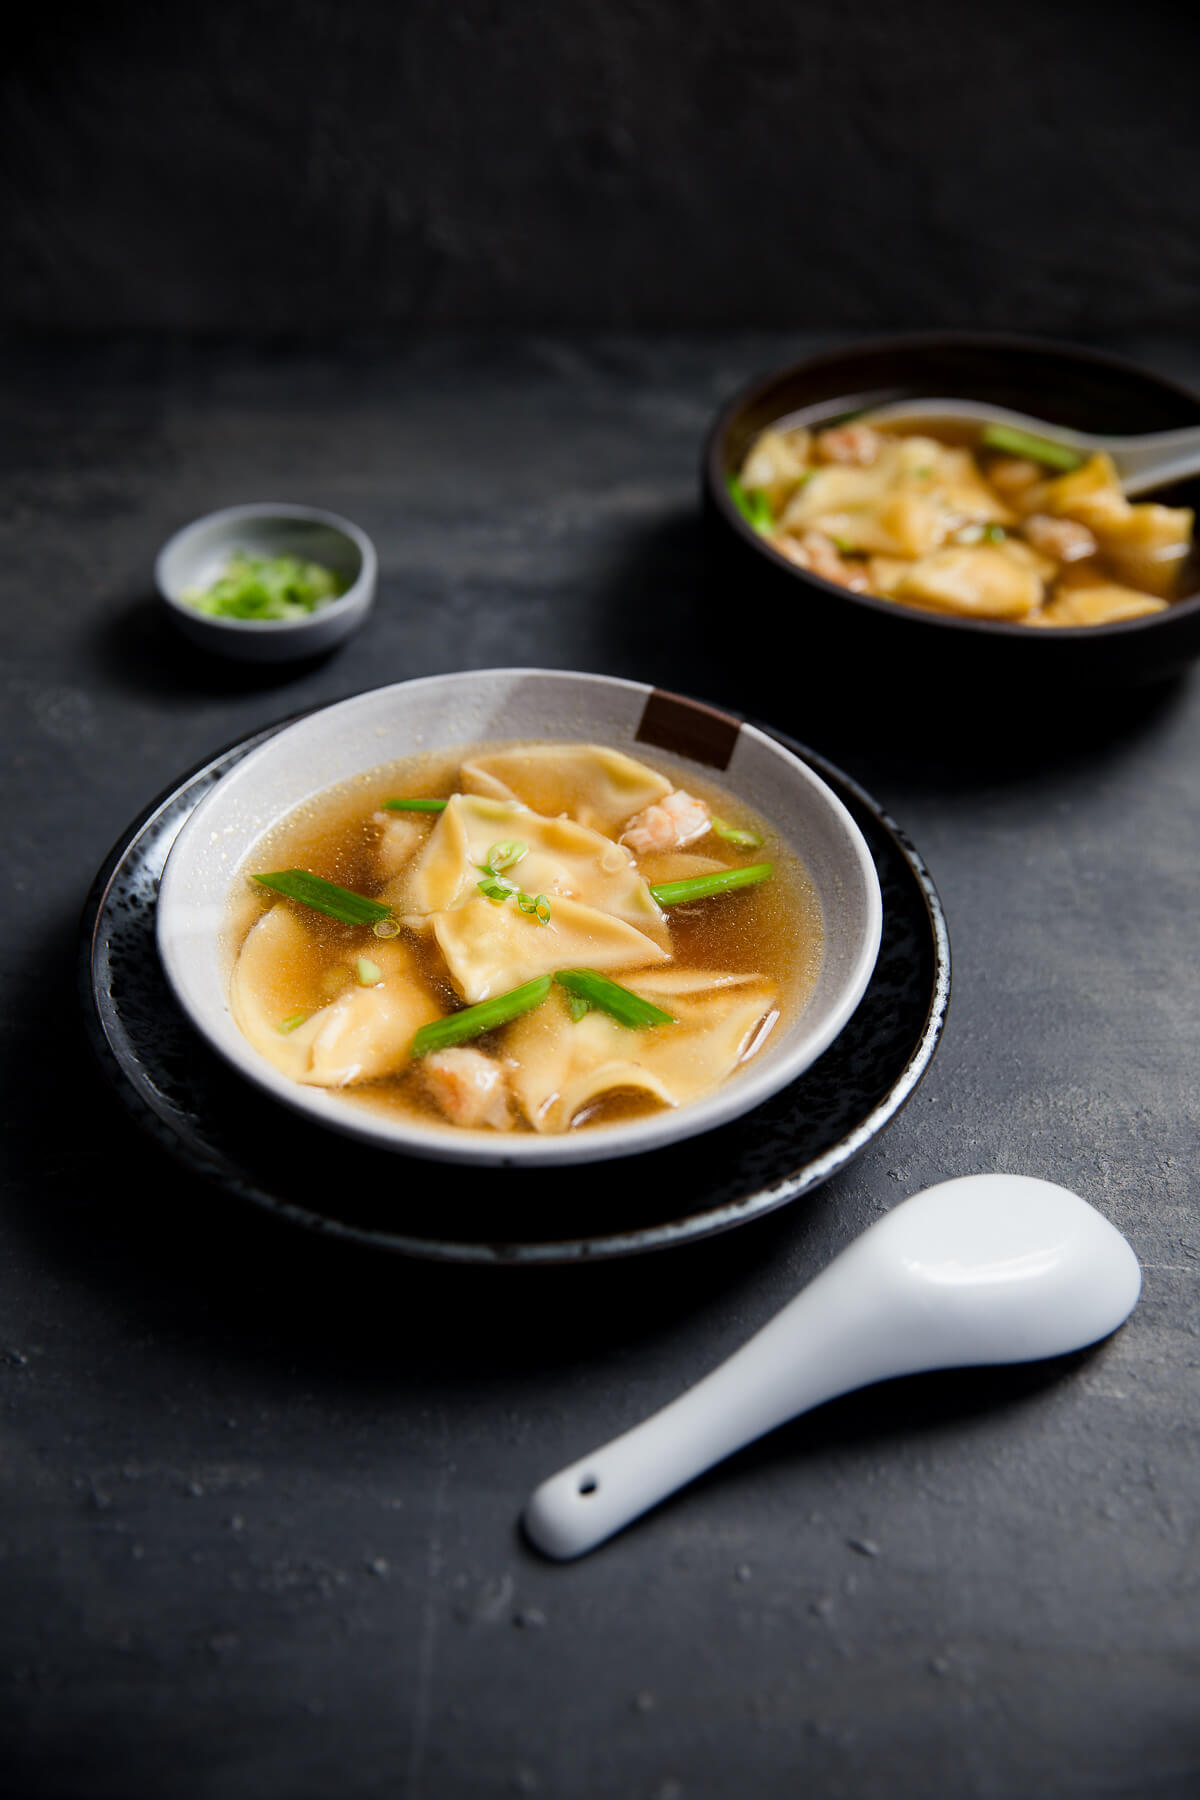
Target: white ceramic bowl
198	554
214	847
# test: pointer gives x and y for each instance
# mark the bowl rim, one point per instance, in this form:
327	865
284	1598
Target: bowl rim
360	588
713	474
732	1099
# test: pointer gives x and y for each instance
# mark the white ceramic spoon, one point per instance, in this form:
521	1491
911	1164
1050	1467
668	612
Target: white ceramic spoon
985	1269
1152	460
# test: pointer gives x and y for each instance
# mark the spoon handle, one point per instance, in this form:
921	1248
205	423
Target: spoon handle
1143	462
831	1338
1156	460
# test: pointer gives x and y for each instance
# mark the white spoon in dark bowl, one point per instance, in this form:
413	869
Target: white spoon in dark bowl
984	1269
1153	459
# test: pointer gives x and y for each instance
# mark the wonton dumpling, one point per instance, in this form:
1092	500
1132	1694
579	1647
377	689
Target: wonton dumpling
1092	494
599	788
563	1066
1149	544
492	946
363	1034
979	581
1099	603
904	503
562	858
777	463
400	837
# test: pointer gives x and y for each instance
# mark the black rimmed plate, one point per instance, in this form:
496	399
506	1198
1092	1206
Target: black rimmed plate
202	1113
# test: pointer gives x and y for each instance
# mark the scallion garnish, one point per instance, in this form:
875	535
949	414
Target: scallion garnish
495	888
699	887
505	855
498	888
735	834
286	1025
455	1028
753	505
993	534
609	997
414	805
369	973
325	896
1015	442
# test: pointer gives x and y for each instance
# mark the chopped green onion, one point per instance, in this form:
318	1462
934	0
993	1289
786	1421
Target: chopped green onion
734	834
386	928
1015	442
925	474
608	996
496	889
993	534
266	587
505	855
439	1034
369	973
753	505
699	887
414	805
844	547
325	896
578	1007
286	1025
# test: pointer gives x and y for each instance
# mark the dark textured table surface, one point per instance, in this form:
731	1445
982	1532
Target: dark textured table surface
259	1492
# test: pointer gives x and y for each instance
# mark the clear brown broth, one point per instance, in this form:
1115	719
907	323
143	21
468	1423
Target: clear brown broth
774	929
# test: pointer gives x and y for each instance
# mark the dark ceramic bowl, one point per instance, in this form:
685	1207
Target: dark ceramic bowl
878	641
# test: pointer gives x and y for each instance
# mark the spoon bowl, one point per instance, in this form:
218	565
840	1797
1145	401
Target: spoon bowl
981	1270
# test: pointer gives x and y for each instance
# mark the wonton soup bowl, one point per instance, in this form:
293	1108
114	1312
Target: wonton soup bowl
879	648
215	851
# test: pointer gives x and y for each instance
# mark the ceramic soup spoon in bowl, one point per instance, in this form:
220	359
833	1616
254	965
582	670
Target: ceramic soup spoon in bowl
1153	459
983	1269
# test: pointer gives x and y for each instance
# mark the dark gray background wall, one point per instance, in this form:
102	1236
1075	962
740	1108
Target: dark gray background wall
304	165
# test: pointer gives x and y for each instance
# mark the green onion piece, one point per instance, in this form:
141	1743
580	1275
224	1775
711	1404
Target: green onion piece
1015	442
578	1007
699	887
286	1025
734	834
369	973
414	805
486	1016
844	547
505	855
496	889
993	534
607	996
753	505
924	474
267	587
325	896
541	907
386	928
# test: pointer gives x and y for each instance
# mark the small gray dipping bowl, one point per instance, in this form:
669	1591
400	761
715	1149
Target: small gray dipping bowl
197	555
